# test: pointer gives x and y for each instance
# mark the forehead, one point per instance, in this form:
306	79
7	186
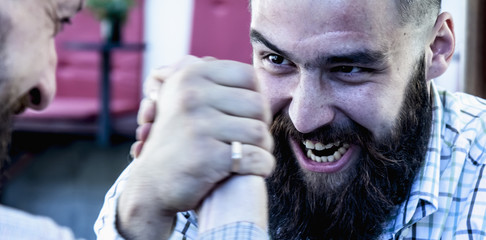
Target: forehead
23	8
316	21
337	13
59	7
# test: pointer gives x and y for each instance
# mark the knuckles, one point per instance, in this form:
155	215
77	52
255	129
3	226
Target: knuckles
259	162
257	103
258	133
190	100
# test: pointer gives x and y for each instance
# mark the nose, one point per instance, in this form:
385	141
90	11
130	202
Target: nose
312	103
42	93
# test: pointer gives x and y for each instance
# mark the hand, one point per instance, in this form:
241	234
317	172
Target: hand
147	111
201	108
152	85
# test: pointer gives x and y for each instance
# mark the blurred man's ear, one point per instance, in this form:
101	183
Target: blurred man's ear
441	48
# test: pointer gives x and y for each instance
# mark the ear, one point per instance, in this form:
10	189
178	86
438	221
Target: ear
441	49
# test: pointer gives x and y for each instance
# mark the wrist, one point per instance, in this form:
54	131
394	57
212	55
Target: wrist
135	220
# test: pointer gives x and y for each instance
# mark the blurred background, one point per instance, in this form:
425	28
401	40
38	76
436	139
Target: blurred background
66	157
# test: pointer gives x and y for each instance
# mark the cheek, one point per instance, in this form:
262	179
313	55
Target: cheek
276	90
52	55
374	109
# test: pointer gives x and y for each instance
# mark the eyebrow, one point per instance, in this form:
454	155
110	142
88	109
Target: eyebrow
257	37
363	56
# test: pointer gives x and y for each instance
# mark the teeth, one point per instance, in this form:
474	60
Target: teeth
309	144
337	155
330	145
319	146
342	150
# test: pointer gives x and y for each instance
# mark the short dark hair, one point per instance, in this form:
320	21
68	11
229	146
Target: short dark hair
418	12
414	11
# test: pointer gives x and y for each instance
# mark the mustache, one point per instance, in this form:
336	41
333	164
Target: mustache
381	150
350	132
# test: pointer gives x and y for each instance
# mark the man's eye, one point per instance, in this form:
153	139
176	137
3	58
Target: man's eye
276	59
347	69
65	20
60	24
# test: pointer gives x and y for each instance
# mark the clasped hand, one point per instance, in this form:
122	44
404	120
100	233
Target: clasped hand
183	151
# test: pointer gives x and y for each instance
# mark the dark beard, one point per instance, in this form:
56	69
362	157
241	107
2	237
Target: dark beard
369	193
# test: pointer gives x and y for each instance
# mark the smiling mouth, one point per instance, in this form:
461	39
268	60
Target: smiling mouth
324	153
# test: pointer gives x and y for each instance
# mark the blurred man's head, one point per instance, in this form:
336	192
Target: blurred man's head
28	57
349	84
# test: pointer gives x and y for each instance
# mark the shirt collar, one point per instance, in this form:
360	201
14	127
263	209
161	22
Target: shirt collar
425	189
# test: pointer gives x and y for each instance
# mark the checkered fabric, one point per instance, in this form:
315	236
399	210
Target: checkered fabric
448	199
19	225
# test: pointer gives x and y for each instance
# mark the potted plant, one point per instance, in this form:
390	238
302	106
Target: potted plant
112	14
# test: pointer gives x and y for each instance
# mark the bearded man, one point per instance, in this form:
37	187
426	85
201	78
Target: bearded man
27	80
367	147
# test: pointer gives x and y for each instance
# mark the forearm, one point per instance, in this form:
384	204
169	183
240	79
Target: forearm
239	199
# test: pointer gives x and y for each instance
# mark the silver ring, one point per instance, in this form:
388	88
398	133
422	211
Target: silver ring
236	156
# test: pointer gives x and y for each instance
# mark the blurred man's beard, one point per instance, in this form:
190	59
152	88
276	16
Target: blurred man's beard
5	136
6	117
357	203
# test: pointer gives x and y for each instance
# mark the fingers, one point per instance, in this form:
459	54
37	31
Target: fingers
136	148
248	131
146	113
159	75
231	90
143	131
255	161
238	102
228	73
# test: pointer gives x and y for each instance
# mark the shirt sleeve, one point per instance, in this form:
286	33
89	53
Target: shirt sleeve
16	224
105	227
235	231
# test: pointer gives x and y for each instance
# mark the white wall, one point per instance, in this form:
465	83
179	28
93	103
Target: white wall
167	32
453	79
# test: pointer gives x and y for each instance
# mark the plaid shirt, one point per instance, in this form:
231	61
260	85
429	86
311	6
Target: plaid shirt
447	201
19	225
